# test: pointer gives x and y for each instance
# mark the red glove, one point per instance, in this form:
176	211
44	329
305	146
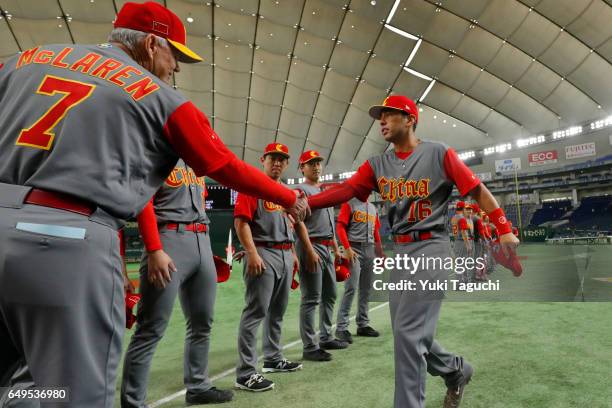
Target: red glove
294	284
131	300
510	262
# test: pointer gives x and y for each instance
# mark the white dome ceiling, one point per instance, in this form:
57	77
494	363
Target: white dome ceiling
304	72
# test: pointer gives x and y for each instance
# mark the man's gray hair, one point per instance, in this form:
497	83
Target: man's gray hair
131	38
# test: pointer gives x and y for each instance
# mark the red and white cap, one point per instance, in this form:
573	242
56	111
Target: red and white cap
277	148
151	17
310	155
397	102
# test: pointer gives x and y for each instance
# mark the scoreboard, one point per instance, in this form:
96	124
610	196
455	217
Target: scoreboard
220	197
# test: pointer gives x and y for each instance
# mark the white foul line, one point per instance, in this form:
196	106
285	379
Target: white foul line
225	373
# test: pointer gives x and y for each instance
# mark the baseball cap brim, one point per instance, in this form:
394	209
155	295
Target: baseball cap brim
185	54
277	153
376	110
317	158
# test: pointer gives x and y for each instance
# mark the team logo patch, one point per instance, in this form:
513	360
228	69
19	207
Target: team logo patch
502	220
313	154
161	27
279	147
385	101
271	207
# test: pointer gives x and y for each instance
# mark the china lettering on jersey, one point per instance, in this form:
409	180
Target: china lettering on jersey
182	197
362	222
270	223
416	189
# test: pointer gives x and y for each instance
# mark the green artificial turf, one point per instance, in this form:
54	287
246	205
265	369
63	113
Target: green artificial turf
526	354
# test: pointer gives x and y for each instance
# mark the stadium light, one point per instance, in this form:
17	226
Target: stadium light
572	131
530	141
467	155
497	149
601	123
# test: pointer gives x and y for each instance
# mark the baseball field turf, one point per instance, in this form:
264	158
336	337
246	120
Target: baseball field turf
550	349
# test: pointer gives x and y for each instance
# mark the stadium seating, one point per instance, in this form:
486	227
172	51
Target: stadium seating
550	211
593	213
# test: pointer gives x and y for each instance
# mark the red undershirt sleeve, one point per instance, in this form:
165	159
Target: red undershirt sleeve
360	185
147	224
245	207
190	134
463	225
459	173
377	230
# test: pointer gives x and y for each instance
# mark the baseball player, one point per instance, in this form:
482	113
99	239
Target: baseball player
455	220
464	246
267	237
316	242
417	179
178	261
358	229
88	133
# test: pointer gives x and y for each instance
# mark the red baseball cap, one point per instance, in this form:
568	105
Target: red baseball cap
223	269
475	208
310	155
277	148
343	269
153	18
460	205
397	102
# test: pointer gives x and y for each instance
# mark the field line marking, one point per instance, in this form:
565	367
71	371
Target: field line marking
230	371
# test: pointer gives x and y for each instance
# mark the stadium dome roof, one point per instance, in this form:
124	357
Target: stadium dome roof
304	72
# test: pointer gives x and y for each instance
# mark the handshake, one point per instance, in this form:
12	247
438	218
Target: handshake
300	208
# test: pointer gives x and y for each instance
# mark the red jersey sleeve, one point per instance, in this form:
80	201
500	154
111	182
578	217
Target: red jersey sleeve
481	228
245	207
341	231
189	132
147	224
363	181
463	225
377	230
459	173
344	216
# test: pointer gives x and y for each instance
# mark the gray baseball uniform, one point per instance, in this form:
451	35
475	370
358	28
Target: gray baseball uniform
85	128
180	201
360	230
318	287
419	188
267	295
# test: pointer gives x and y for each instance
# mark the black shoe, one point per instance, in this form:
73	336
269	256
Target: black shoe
317	355
367	332
282	366
211	396
455	395
333	345
344	335
255	383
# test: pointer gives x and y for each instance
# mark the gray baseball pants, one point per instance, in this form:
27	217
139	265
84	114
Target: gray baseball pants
62	310
195	282
318	289
361	277
414	316
265	299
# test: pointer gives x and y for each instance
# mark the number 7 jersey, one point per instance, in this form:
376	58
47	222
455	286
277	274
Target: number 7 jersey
418	187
